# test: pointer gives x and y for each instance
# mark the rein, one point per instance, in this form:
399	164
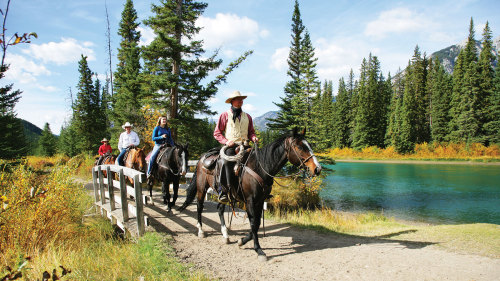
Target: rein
168	167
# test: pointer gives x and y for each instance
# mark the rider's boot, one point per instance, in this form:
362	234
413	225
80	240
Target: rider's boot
222	195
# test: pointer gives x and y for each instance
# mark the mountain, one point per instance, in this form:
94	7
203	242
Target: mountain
32	133
261	121
448	56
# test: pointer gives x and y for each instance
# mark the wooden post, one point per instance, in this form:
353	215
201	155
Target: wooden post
101	186
94	183
110	189
139	206
123	195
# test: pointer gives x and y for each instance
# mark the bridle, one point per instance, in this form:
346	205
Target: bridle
179	165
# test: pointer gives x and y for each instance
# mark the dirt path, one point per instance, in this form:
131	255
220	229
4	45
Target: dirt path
296	254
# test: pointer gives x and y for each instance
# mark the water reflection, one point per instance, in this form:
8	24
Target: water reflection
430	192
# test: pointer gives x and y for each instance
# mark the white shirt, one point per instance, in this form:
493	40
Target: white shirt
128	139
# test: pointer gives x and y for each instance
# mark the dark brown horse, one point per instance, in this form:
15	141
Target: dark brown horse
108	159
173	163
256	180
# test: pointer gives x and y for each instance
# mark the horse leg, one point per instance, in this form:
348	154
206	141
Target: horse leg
150	186
175	185
165	189
225	237
199	209
254	211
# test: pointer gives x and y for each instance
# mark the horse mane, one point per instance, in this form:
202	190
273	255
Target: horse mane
273	150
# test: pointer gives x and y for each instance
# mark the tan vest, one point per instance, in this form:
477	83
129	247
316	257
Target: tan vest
237	131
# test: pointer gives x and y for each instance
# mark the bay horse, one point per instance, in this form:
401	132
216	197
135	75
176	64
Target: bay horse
172	163
135	159
109	159
256	180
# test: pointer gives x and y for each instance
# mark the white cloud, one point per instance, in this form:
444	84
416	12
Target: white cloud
147	35
48	88
23	70
248	107
397	20
229	29
279	59
69	50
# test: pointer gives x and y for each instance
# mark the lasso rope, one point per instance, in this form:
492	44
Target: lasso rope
234	158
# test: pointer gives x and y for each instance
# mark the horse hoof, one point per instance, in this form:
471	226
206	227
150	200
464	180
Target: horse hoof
201	234
240	242
225	240
169	209
262	258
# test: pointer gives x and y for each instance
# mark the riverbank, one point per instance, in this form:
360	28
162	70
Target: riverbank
399	161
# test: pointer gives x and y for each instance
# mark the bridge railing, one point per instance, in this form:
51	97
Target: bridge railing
106	200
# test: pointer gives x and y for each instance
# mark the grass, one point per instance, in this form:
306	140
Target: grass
45	226
480	239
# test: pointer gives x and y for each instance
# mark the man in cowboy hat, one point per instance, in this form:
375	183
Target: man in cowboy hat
104	149
127	139
233	128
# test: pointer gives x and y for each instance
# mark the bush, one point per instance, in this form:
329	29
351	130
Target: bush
293	194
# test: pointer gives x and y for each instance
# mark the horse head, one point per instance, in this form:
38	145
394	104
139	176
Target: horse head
182	156
300	153
138	159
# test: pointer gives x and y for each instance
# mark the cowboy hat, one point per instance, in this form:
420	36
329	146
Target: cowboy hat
127	124
104	140
235	94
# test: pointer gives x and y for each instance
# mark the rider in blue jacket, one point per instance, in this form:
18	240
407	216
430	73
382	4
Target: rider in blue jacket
161	135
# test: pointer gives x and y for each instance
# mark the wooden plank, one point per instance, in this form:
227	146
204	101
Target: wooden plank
127	171
123	195
110	189
94	183
101	184
138	205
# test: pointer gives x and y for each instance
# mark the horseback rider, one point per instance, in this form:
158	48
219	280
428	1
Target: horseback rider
127	139
161	135
233	128
104	149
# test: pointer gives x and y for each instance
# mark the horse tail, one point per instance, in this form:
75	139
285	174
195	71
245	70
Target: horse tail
190	193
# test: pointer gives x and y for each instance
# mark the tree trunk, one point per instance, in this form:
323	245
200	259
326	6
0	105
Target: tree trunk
174	91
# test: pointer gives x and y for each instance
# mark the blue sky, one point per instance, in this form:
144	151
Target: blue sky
343	32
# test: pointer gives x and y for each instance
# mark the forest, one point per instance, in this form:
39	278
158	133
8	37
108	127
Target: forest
419	104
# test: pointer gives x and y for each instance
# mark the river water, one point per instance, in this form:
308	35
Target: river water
434	193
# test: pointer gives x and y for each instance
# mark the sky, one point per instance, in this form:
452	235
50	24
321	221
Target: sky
343	32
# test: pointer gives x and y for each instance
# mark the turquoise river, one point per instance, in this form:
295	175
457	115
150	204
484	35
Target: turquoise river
434	193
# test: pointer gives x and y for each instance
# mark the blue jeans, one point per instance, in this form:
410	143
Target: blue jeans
120	157
152	159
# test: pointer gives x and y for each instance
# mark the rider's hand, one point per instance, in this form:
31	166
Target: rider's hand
230	143
255	139
164	136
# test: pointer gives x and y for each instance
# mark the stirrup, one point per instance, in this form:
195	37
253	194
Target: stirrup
223	197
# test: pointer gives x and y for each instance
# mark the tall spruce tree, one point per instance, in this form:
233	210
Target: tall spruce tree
486	87
341	116
87	110
295	105
127	84
392	136
465	124
67	143
440	87
47	141
492	127
174	70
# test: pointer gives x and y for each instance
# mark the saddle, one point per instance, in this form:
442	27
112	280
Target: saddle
209	159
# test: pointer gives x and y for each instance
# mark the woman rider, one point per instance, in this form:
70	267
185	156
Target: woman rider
161	135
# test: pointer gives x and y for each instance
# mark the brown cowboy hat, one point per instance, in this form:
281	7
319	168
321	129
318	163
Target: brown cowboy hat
105	140
235	94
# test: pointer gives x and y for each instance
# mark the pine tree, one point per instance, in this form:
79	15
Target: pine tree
67	143
87	110
174	71
392	136
440	87
486	87
127	85
12	139
492	127
341	118
47	142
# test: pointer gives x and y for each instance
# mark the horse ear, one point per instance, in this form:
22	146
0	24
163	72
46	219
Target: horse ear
304	131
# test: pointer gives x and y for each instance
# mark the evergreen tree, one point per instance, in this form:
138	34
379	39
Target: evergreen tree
48	142
492	127
341	121
440	87
67	143
486	87
127	85
295	106
351	86
465	122
392	136
174	71
12	139
87	110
